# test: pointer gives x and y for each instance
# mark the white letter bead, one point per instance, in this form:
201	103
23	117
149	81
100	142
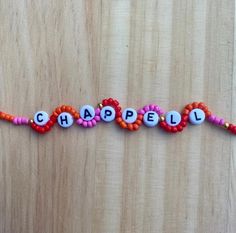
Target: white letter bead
41	118
150	119
108	114
87	112
197	116
65	120
173	118
129	115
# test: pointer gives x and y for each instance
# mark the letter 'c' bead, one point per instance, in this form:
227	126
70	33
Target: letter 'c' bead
150	119
197	116
108	114
65	120
173	118
41	118
129	115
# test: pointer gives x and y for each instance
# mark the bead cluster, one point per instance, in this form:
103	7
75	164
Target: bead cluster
89	116
109	110
21	120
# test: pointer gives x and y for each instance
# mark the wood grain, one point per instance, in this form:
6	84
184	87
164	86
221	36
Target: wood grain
106	180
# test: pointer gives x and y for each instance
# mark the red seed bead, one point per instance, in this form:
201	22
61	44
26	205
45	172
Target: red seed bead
174	129
183	123
185	117
189	107
180	128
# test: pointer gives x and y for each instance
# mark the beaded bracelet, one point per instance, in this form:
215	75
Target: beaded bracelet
150	115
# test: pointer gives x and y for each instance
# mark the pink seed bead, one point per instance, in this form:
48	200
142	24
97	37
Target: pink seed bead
212	118
79	121
146	108
94	122
217	120
151	107
141	111
97	118
19	120
161	112
222	121
85	124
15	121
26	120
157	108
90	125
97	111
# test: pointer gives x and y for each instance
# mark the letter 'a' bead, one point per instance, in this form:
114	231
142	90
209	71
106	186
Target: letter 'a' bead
41	118
65	120
87	112
150	119
173	118
197	116
129	115
108	114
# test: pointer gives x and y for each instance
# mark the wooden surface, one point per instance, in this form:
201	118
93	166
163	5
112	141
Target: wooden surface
106	180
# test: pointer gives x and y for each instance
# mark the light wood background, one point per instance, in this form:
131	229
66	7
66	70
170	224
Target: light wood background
105	180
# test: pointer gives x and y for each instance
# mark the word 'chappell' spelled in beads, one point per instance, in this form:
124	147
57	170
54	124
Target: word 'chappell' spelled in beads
110	110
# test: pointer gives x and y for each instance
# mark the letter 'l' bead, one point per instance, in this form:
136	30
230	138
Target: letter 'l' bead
150	119
173	118
41	118
65	120
197	116
108	114
129	115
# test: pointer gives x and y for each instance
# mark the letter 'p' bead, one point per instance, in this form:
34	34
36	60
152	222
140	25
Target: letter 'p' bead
108	114
129	115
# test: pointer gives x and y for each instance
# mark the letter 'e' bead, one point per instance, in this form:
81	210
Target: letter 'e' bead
41	118
150	119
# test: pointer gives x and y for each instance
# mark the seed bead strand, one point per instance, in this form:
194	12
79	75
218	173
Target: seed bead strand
109	109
